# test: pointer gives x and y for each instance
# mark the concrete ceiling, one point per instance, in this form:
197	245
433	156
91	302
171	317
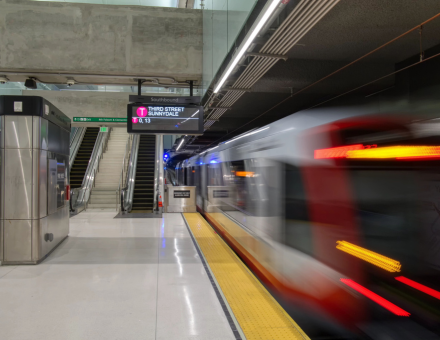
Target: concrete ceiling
350	30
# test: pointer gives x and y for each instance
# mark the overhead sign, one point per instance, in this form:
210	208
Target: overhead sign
165	119
99	120
194	100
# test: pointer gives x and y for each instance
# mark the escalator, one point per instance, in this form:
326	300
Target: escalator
143	193
82	158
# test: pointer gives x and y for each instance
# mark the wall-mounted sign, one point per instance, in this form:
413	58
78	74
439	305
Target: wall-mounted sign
165	119
182	194
220	193
99	120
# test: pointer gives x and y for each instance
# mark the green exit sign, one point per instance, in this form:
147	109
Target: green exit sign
104	129
99	120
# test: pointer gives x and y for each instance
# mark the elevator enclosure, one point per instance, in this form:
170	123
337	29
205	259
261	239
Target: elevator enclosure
34	151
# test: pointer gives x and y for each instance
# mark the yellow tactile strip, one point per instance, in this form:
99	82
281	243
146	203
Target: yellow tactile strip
259	315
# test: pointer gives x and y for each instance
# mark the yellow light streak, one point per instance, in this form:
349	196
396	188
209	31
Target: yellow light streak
244	174
370	256
397	152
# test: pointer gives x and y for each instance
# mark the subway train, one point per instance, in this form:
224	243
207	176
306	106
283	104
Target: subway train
337	214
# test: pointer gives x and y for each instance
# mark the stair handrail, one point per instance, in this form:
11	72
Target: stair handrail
81	195
121	178
126	194
75	144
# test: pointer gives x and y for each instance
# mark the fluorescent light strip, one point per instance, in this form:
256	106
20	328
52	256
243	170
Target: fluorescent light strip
180	144
248	134
248	42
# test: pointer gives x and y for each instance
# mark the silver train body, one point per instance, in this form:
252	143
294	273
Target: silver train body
284	210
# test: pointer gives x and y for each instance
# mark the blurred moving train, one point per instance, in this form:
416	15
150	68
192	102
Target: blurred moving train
338	215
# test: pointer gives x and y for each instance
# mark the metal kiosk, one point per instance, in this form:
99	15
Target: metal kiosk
34	151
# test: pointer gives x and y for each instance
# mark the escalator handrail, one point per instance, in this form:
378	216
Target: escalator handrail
83	193
75	144
121	178
128	190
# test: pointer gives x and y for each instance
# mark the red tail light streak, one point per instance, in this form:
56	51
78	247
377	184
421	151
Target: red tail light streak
338	152
376	298
419	286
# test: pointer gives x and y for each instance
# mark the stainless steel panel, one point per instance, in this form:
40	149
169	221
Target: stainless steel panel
39	246
35	244
181	204
45	246
18	132
43	180
39	183
17	241
40	133
2	183
18	183
58	225
35	187
36	130
52	187
1	240
2	132
44	134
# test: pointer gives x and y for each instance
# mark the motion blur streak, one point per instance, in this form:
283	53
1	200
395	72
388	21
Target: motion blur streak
376	298
419	286
338	152
397	152
244	174
369	256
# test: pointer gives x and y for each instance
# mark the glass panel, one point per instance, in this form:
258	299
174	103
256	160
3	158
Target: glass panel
222	22
207	46
156	3
238	12
220	33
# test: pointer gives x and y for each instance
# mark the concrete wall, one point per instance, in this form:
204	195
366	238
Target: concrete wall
86	104
54	36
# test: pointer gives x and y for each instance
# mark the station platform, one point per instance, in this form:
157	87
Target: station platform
140	278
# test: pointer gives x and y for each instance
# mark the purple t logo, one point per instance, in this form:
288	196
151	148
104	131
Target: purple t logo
141	111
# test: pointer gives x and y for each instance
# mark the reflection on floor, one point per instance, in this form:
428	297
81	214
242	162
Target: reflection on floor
114	279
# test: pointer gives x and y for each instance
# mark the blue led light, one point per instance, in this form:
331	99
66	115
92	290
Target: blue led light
213	162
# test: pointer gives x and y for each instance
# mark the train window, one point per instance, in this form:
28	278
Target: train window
386	209
298	233
215	177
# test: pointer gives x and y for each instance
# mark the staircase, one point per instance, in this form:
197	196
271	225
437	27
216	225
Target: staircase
143	194
103	196
82	158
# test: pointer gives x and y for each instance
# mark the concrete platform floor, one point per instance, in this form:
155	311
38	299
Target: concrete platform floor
114	279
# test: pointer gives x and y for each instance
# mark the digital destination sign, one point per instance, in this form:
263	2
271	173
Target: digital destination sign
165	119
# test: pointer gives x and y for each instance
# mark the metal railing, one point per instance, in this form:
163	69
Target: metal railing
79	197
122	179
158	172
126	194
75	143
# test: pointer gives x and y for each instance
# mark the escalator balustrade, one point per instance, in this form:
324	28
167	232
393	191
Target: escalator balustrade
82	158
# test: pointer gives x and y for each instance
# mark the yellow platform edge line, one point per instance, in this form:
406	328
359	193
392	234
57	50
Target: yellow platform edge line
246	315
